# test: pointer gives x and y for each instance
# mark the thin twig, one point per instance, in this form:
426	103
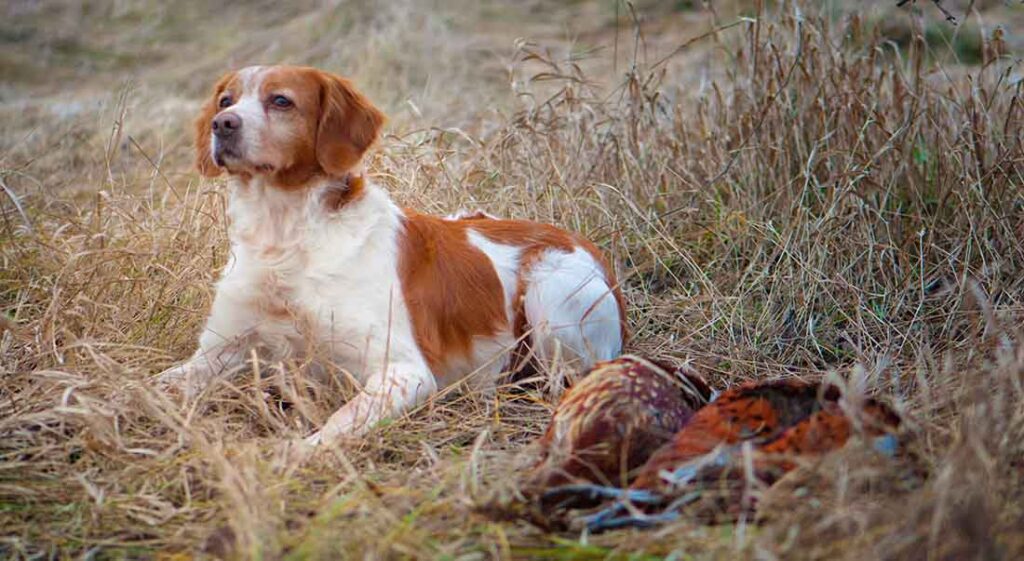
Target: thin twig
17	205
938	4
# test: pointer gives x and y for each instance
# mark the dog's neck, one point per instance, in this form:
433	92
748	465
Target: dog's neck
262	215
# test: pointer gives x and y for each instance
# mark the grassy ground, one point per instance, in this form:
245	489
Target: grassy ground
805	192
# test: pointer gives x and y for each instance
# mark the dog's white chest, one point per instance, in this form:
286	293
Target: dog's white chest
320	284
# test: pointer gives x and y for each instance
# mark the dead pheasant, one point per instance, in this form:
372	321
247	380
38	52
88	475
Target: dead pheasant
608	423
782	423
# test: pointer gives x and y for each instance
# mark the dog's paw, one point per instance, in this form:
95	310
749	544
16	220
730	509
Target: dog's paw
179	381
321	440
314	440
173	379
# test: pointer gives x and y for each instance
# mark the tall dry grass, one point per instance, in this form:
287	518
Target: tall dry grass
821	202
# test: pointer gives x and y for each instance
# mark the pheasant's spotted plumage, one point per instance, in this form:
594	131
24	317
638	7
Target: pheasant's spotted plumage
608	423
785	417
779	422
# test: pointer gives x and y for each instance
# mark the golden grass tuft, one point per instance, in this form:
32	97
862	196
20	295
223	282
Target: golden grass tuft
791	195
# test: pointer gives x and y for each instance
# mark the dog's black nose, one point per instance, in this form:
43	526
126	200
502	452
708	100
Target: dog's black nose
226	124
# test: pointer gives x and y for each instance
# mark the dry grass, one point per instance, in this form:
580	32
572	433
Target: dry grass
796	195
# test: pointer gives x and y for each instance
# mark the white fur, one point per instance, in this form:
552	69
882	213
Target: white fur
493	355
571	309
304	279
336	272
568	304
249	107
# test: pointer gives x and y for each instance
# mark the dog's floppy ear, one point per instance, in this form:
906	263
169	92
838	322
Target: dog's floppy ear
203	127
349	125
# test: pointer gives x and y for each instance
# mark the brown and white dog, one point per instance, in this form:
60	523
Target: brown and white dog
321	257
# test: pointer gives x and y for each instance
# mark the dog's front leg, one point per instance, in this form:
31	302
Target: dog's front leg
401	387
224	344
195	374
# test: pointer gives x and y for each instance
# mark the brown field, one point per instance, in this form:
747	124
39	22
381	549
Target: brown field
812	189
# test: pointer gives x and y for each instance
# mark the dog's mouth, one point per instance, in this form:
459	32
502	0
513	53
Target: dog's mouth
231	160
225	153
221	158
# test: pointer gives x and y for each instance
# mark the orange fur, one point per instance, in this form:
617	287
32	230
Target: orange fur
451	288
301	130
348	126
204	159
346	190
330	126
534	239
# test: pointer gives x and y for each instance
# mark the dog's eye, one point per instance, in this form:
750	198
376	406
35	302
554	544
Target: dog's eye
281	102
225	101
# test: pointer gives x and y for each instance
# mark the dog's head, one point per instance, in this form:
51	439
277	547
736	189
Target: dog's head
286	123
